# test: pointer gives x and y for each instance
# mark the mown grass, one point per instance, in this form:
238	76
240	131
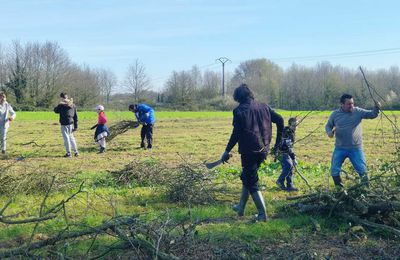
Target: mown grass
35	155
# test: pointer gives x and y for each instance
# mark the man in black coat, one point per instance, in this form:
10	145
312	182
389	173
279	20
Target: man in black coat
252	129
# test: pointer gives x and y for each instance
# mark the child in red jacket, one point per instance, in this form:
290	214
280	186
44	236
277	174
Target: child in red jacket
101	129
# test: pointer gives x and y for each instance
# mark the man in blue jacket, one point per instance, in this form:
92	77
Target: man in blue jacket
145	115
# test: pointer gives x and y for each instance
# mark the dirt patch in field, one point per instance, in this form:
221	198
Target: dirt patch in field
314	247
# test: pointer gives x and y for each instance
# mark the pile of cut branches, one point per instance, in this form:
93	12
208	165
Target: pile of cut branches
120	128
376	207
140	173
186	183
192	184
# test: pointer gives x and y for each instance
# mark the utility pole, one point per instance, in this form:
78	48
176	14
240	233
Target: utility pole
223	60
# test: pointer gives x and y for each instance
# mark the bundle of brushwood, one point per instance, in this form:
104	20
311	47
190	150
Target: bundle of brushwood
120	128
186	183
376	206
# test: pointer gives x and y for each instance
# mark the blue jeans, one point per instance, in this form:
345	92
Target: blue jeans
287	170
356	156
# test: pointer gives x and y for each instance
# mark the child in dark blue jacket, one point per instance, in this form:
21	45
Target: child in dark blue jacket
288	159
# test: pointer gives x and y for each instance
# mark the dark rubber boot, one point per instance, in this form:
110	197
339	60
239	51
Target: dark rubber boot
260	205
338	181
365	180
239	208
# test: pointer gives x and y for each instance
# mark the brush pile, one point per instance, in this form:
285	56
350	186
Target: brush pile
377	206
140	173
120	128
192	184
185	183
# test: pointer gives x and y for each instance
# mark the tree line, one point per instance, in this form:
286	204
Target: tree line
33	74
295	88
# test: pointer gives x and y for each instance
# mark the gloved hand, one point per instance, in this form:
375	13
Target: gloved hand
225	157
275	151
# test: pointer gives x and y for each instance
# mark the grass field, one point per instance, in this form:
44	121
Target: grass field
35	154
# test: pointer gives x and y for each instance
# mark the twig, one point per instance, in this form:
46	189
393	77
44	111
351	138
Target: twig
302	177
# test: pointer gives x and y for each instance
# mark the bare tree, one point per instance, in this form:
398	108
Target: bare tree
210	87
47	68
137	80
180	88
263	76
3	72
54	74
16	68
83	86
107	81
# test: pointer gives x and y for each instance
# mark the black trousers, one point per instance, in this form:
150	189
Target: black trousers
147	133
250	165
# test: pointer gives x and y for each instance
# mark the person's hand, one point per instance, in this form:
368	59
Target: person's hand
225	157
332	134
10	119
275	151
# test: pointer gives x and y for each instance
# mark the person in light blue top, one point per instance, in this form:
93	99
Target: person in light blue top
345	124
145	115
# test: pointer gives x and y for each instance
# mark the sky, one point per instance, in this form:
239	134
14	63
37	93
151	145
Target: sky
174	35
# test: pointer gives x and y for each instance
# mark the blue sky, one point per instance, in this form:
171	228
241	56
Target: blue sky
176	34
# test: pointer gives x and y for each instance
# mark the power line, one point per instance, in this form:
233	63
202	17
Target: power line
300	58
342	54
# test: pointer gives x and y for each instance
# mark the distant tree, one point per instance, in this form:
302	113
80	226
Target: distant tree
48	72
296	88
136	80
180	88
3	72
16	70
84	86
107	81
210	86
263	76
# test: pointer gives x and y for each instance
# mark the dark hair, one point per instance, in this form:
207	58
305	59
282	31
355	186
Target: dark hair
63	95
344	97
292	120
132	107
243	93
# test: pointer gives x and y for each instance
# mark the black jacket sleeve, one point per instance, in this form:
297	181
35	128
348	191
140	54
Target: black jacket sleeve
235	133
278	120
57	110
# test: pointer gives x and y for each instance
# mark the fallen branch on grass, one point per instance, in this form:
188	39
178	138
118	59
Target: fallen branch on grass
377	207
120	128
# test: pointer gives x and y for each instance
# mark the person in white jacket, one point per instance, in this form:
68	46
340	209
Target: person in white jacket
7	114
